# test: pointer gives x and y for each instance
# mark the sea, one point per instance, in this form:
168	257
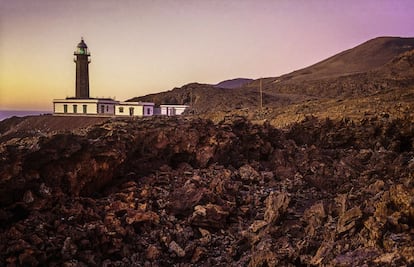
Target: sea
4	114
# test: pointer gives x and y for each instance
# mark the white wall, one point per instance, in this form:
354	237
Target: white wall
171	110
137	110
106	108
60	108
179	110
148	110
93	107
103	107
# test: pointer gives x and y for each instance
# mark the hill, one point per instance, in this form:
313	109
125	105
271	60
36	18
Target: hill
366	57
204	98
376	66
233	83
346	84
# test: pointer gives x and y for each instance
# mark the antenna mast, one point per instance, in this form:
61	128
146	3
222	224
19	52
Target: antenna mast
261	95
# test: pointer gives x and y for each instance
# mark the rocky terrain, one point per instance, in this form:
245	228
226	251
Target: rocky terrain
185	191
322	175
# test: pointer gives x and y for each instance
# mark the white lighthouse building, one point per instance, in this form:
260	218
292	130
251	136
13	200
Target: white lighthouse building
84	105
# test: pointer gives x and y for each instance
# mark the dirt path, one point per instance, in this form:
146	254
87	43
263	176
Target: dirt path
48	123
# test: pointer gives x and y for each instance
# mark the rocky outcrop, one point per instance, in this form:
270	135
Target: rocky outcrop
179	191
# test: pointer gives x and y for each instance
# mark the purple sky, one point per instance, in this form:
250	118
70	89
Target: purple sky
141	47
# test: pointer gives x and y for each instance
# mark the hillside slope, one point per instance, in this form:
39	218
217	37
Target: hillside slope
380	64
206	98
233	83
395	74
365	57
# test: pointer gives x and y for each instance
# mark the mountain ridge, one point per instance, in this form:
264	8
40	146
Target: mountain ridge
361	58
233	83
376	65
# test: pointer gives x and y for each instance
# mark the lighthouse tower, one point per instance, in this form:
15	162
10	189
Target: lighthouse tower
82	70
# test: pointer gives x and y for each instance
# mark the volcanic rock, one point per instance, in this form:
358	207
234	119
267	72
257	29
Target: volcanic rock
138	193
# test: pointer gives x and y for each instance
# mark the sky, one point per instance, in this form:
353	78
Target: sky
140	47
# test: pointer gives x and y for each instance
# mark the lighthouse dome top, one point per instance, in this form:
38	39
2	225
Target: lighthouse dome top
82	48
82	44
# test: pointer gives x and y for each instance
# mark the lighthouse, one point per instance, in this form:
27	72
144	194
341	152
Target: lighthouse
84	105
82	70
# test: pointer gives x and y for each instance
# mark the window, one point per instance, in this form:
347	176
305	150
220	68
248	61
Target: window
65	108
121	109
107	108
102	109
148	111
85	108
75	108
131	111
